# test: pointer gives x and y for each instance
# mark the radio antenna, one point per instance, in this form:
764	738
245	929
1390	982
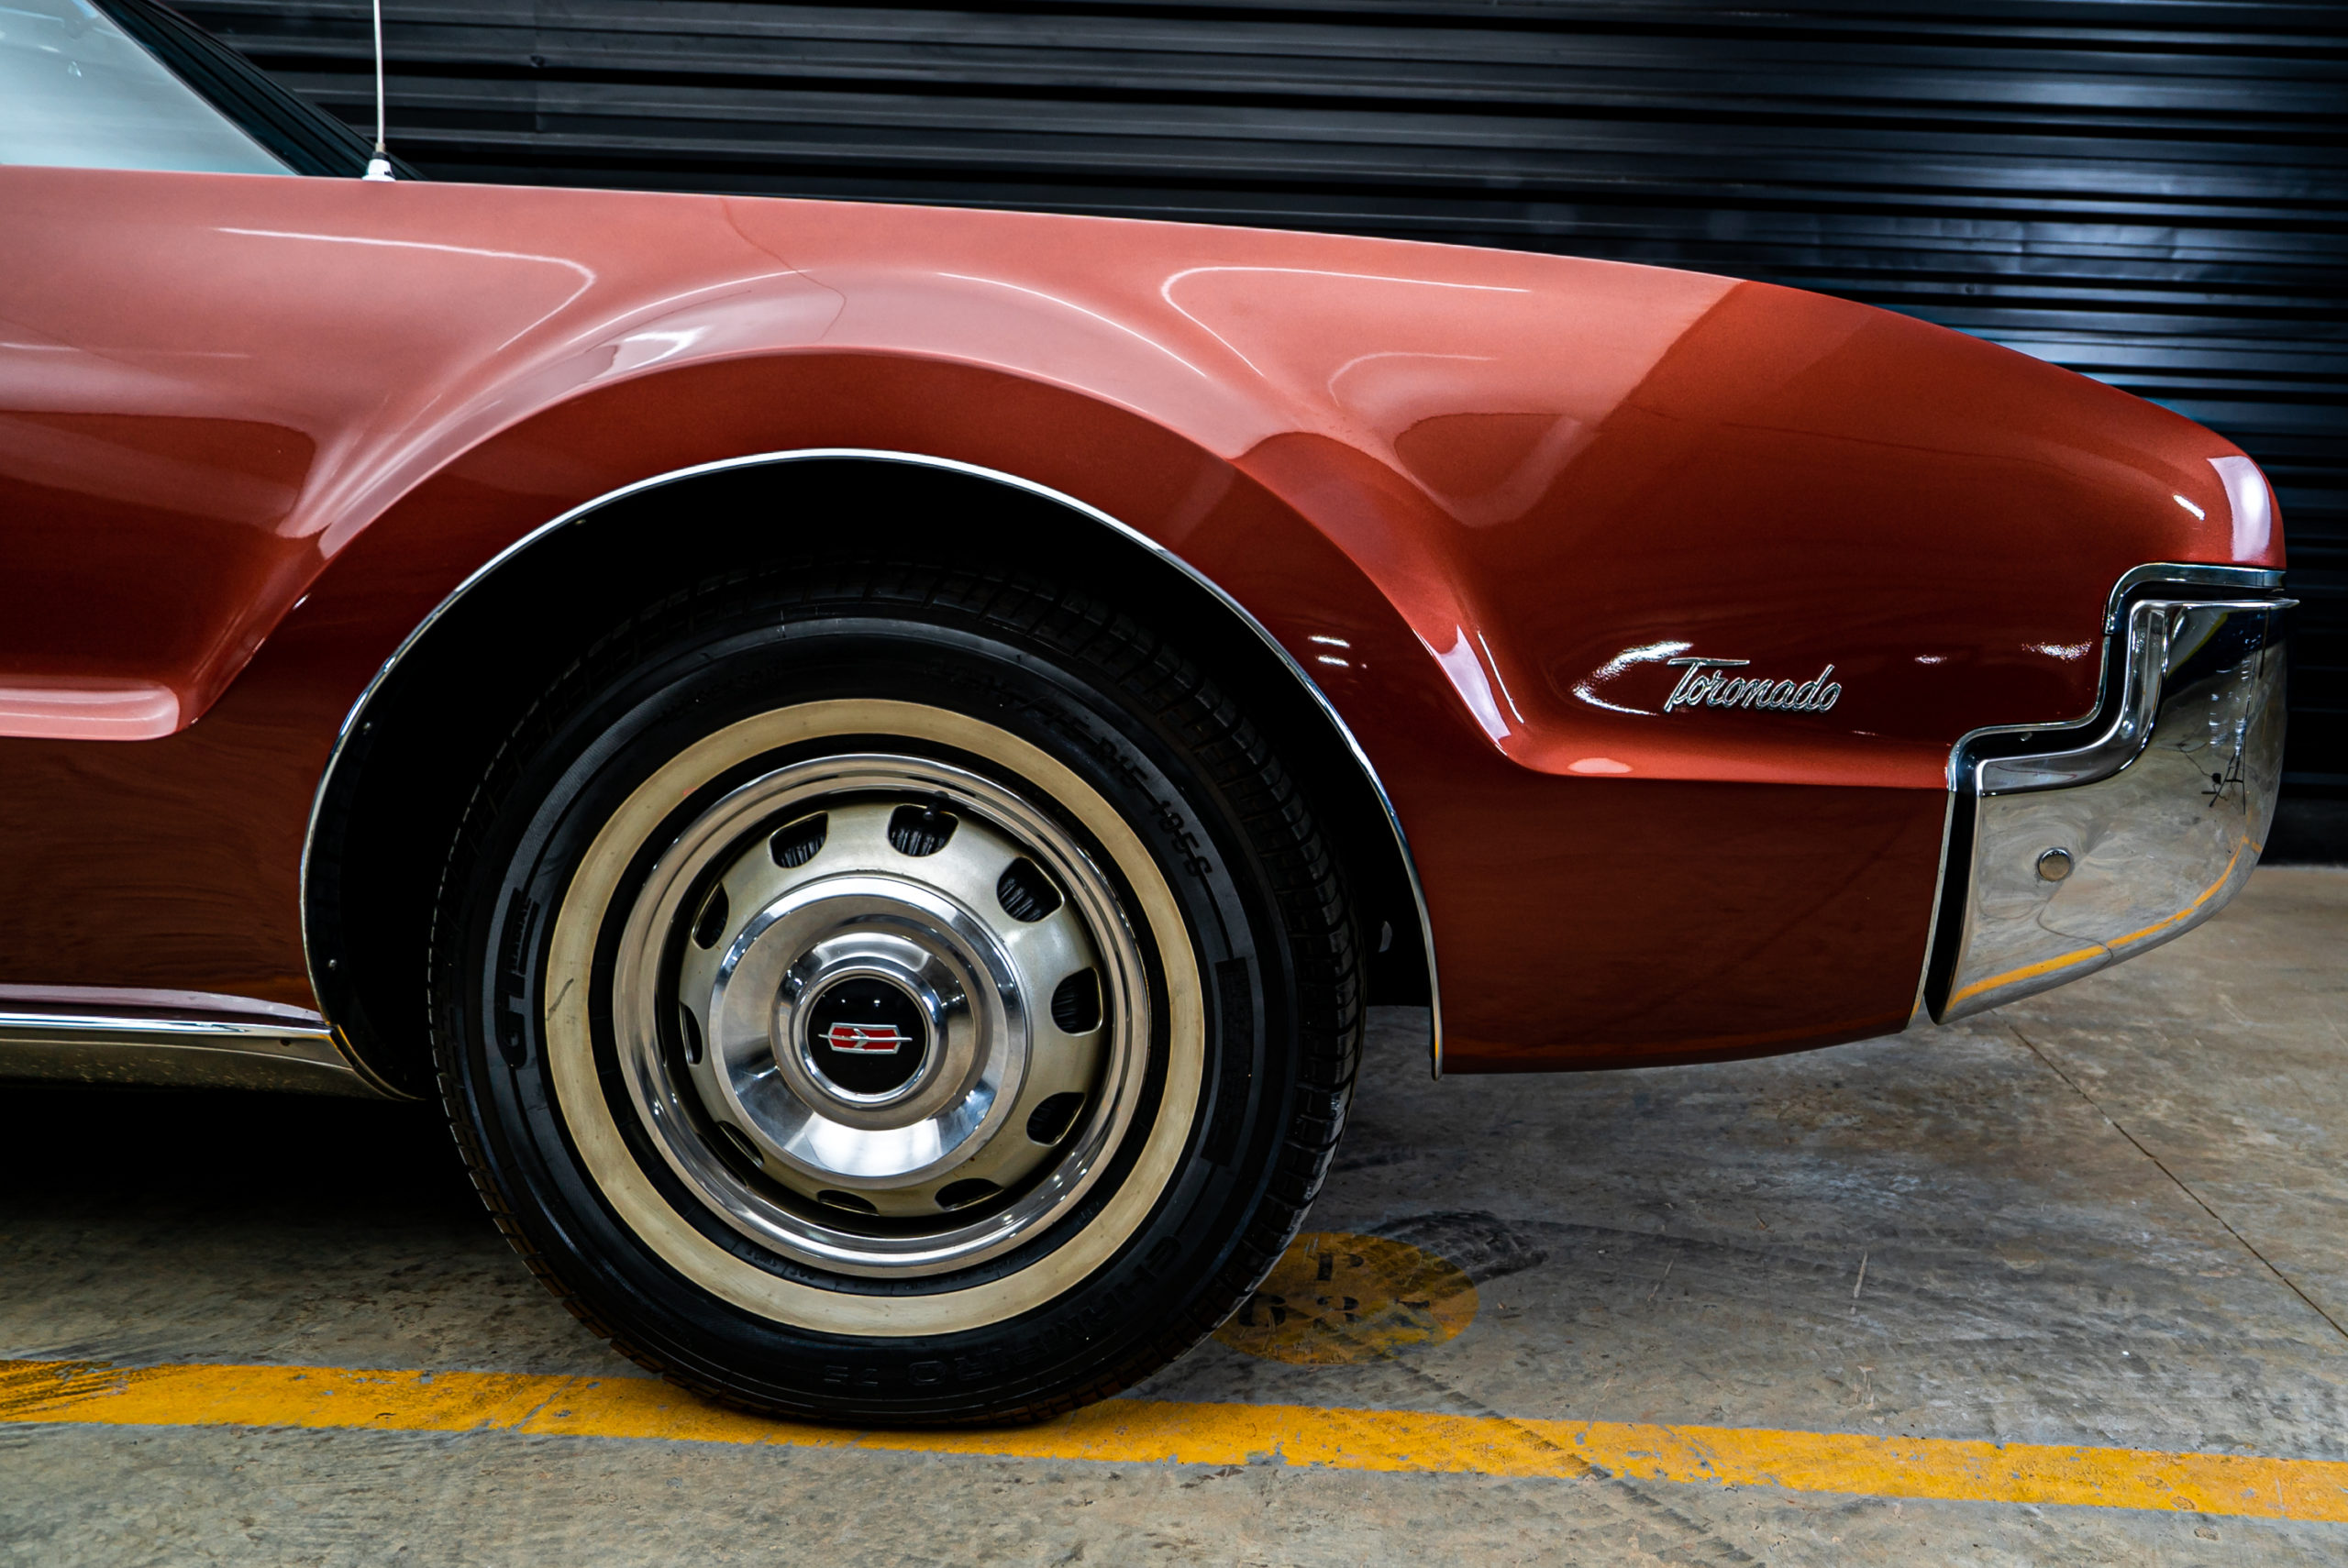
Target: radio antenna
380	166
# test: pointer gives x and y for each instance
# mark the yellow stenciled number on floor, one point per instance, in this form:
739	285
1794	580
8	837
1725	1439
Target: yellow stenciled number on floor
1334	1298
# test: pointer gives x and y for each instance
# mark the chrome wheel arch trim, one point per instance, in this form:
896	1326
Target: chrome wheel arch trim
1320	699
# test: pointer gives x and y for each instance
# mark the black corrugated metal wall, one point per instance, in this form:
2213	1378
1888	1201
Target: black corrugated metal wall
2154	194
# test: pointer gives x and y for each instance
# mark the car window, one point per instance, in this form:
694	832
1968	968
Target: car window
77	92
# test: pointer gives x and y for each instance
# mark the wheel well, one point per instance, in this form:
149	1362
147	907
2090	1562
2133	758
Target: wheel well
396	792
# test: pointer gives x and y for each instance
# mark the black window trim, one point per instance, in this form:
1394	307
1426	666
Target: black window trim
305	138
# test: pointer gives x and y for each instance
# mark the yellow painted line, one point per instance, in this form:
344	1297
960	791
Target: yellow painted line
1153	1432
2048	966
2031	971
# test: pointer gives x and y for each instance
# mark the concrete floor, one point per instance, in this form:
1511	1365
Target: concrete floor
2115	1215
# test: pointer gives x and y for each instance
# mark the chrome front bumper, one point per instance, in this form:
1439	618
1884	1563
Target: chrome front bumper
2073	849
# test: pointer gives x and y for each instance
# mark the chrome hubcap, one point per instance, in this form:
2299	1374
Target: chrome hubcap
881	1013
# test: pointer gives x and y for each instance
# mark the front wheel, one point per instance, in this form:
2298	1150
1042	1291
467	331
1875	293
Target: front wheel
885	992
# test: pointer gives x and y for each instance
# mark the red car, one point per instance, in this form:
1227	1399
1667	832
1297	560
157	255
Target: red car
874	756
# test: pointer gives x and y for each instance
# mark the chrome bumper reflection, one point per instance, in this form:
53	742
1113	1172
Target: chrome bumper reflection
2080	857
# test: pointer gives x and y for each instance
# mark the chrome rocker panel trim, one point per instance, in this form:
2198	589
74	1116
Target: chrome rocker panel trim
1320	699
95	1036
2160	809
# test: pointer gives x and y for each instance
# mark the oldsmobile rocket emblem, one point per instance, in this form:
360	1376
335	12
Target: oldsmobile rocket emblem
867	1039
1706	683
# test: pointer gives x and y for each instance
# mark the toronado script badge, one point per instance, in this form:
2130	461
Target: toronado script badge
1704	682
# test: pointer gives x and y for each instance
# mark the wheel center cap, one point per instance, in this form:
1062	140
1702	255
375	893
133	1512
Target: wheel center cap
866	1036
